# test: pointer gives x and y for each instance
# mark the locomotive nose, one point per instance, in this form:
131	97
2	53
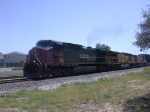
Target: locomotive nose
35	65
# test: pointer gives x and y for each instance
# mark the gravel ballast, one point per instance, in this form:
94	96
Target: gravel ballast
50	84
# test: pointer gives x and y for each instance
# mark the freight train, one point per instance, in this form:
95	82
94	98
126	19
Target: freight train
51	57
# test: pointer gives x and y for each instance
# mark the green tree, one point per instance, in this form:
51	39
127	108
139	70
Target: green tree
143	36
103	47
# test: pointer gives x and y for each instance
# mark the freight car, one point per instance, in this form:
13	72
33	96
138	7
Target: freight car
51	57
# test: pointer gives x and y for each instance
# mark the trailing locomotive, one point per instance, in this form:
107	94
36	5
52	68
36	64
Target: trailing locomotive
54	58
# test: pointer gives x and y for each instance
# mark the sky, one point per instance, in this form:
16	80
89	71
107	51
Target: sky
84	22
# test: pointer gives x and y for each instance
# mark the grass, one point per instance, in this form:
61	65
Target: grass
10	67
122	90
8	75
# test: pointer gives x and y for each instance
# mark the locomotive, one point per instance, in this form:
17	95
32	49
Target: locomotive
51	57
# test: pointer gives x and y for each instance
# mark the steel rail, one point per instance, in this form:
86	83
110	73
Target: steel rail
4	80
10	77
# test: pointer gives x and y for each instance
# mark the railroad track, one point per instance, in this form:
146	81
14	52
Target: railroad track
13	79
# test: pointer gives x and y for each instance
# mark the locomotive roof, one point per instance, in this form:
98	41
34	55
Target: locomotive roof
125	53
58	42
144	54
109	51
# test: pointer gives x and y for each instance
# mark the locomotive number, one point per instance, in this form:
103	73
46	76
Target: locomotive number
87	57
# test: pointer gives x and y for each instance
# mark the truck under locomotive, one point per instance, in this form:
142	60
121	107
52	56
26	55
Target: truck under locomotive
54	58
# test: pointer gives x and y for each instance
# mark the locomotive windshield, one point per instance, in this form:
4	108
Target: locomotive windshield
45	44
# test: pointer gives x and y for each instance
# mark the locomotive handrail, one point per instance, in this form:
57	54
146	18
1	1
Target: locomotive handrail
43	63
38	59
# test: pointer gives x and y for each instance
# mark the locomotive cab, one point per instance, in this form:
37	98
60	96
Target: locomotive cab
38	58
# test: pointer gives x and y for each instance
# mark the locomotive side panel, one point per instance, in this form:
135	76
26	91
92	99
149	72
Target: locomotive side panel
87	56
147	58
126	58
71	57
111	57
46	56
101	56
121	58
71	54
